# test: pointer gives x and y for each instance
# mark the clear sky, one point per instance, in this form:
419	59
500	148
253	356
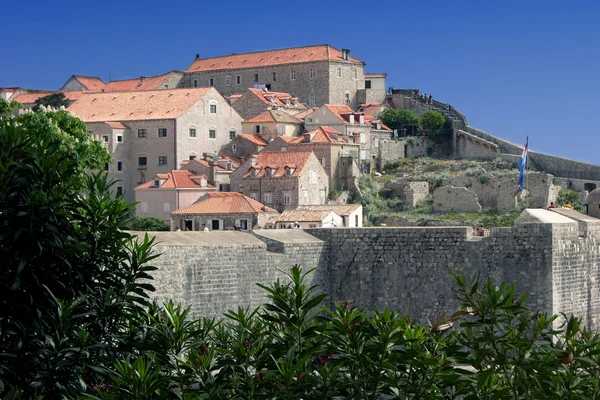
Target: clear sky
514	68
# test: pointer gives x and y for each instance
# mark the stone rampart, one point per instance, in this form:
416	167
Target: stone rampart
407	269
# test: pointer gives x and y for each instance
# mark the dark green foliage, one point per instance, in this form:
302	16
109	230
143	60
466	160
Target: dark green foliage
484	178
391	166
505	220
334	194
433	121
55	100
399	119
567	196
146	224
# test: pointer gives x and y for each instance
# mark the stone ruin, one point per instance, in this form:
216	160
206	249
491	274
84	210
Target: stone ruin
448	199
411	192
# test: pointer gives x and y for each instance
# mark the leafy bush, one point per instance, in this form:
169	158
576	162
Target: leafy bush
395	119
505	220
391	166
433	121
567	196
484	178
146	224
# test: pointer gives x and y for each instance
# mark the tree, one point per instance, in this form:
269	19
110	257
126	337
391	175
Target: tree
399	119
433	120
55	100
69	285
147	224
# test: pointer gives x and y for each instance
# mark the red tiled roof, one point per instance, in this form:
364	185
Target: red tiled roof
303	114
141	83
256	139
116	125
303	215
28	98
343	114
323	134
177	179
274	116
343	209
372	109
90	82
270	57
280	98
375	75
224	203
295	159
136	106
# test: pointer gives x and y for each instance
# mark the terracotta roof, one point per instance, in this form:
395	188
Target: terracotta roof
303	215
256	139
141	83
343	113
90	82
270	57
116	125
323	134
303	114
28	98
372	109
281	160
224	203
135	106
375	75
288	139
276	98
346	209
274	116
177	179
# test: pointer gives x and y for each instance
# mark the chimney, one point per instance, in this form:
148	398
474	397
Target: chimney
197	56
212	171
253	162
351	118
296	102
345	54
361	119
142	78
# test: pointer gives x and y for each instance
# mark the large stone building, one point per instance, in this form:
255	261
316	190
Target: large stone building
317	75
151	132
282	180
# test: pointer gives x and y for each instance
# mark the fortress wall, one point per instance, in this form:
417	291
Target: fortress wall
408	269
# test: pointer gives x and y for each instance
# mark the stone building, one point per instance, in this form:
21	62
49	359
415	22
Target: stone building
332	149
349	122
256	101
243	146
317	75
283	180
150	132
593	203
375	89
216	169
80	82
272	123
222	211
351	214
168	192
305	219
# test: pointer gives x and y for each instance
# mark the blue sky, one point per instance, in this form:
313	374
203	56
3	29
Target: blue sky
514	68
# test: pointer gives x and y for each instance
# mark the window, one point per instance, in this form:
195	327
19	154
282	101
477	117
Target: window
187	224
312	73
119	190
142	161
144	207
105	138
287	198
238	79
268	198
312	226
162	160
323	162
211	82
356	220
293	74
274	76
141	133
311	101
195	82
119	165
167	207
231	135
255	77
215	224
281	130
347	99
234	147
338	72
119	138
284	148
257	128
106	167
213	108
212	134
192	157
192	132
368	84
354	74
162	132
227	80
243	224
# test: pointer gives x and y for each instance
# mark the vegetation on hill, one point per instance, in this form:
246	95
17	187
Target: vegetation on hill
75	320
146	224
433	121
401	119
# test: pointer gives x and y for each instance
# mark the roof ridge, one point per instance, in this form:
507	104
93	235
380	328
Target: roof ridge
264	51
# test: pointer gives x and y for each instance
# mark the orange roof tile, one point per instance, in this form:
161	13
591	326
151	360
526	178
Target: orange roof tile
136	106
116	125
343	209
375	75
343	114
303	215
323	134
28	98
274	116
372	109
224	203
303	114
296	159
177	179
90	82
277	98
141	83
256	139
270	57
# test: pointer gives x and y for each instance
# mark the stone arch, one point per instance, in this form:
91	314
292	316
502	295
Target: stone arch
589	186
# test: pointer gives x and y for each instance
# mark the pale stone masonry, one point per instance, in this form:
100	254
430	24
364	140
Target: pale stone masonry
151	132
317	75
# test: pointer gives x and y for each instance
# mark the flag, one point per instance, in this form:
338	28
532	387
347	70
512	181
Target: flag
523	165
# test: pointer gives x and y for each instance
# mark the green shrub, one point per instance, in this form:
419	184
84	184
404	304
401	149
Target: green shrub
429	151
334	194
567	196
391	166
146	224
484	178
